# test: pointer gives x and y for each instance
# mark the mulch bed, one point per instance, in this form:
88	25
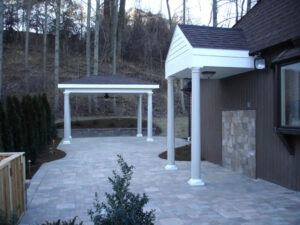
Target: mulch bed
181	153
108	123
47	155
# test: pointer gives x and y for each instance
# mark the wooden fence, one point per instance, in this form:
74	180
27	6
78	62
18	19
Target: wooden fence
12	183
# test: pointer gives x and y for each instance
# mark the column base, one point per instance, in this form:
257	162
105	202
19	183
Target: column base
171	167
66	142
195	182
139	135
150	139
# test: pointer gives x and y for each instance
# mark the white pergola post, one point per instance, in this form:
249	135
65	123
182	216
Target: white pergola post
196	130
139	117
67	121
149	121
170	127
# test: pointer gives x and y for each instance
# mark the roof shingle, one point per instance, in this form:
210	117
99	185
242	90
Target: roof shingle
213	37
108	79
271	22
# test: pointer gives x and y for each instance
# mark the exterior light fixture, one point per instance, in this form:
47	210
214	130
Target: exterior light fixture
209	74
106	97
259	62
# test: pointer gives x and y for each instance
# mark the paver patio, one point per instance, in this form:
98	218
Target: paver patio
65	188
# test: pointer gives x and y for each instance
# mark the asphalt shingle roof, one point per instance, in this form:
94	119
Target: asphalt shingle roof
108	79
214	37
271	22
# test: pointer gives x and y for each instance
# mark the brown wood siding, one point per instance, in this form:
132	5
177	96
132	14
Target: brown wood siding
273	162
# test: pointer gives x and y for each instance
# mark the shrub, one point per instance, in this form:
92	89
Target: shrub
62	222
7	138
12	220
123	207
14	122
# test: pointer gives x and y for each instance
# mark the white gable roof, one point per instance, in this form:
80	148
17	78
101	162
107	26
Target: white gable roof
182	57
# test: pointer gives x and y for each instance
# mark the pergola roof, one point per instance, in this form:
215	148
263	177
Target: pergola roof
108	81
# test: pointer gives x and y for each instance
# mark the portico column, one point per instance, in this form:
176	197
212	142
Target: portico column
149	122
139	117
196	130
67	121
170	127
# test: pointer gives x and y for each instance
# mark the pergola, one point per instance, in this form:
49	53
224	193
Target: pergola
108	84
197	53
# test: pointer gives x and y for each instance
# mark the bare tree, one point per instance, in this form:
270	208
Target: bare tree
236	10
121	21
114	36
248	5
169	14
215	13
96	38
96	46
45	43
28	10
183	12
1	46
88	48
56	58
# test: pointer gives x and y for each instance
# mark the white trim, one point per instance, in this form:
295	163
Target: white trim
180	60
108	86
107	90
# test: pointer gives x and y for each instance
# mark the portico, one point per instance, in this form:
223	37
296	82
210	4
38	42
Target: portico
199	53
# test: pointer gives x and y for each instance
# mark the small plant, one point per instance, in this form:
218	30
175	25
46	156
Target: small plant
12	220
62	222
123	207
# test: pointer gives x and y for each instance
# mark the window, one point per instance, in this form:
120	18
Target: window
290	95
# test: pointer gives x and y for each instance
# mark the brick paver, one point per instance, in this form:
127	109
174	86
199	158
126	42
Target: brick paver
65	188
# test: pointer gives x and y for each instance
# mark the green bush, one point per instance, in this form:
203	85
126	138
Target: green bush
4	220
7	138
123	207
26	126
14	122
62	222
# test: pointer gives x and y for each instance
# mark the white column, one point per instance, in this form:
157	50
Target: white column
70	116
67	121
149	122
139	117
196	130
170	127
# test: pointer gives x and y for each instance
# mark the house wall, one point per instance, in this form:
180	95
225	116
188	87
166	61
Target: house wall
249	91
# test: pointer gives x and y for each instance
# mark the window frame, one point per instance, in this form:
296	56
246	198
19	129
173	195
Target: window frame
295	130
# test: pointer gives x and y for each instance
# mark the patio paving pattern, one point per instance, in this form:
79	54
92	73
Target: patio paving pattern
65	188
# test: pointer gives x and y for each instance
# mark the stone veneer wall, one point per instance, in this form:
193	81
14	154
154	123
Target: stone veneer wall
239	141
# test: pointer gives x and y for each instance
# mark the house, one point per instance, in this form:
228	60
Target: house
245	93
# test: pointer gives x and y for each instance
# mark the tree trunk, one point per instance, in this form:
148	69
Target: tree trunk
96	47
181	94
114	37
121	26
56	60
169	14
1	47
183	12
28	7
45	44
96	38
107	9
88	49
248	5
114	44
215	13
236	11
